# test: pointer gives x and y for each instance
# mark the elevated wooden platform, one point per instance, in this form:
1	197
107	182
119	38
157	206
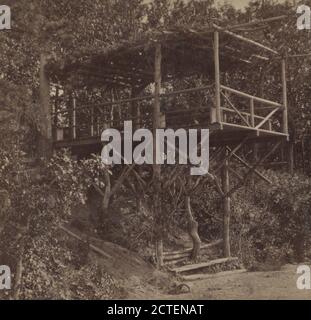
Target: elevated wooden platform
220	135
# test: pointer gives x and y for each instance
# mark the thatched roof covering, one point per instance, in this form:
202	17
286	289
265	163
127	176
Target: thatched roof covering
185	52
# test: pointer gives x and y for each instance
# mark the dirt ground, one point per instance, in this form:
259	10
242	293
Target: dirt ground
272	285
141	280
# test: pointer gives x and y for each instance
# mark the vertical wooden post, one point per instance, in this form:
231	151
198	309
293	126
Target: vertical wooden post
74	119
135	109
252	112
217	76
157	167
45	142
284	87
55	118
98	133
227	209
291	157
92	121
255	159
69	105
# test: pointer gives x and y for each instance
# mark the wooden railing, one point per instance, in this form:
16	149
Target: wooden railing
232	115
89	120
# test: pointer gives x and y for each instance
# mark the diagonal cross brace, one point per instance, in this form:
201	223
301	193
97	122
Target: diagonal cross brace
231	153
259	174
236	110
251	170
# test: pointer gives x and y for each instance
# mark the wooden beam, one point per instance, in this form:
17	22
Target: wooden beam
141	98
226	208
255	159
254	23
202	265
267	118
236	173
92	122
135	109
249	167
246	40
229	155
74	119
244	113
302	55
55	117
45	125
157	167
284	92
252	169
258	131
235	109
246	95
218	188
291	157
252	112
217	76
171	255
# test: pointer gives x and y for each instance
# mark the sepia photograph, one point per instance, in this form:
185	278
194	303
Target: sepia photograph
155	150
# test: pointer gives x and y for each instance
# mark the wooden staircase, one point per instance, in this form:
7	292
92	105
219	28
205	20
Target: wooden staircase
175	261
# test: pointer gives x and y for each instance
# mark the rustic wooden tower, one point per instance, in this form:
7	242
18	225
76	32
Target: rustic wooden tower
142	81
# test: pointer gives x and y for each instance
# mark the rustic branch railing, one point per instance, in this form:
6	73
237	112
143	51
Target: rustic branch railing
251	119
246	95
88	120
138	99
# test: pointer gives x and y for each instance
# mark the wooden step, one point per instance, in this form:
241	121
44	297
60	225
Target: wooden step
202	265
201	276
177	255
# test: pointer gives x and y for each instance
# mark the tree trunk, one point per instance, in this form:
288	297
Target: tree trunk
192	230
107	194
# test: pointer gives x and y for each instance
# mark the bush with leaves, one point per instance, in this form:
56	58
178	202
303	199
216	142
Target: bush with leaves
272	223
289	199
31	242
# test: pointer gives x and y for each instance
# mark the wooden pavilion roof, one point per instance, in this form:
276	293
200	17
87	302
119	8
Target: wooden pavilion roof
185	52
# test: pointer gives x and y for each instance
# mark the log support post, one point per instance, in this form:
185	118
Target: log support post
226	207
255	160
92	121
284	91
291	157
137	124
55	118
252	112
157	167
45	142
217	80
74	119
135	109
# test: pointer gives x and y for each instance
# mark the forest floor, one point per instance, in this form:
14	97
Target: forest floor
268	285
140	280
